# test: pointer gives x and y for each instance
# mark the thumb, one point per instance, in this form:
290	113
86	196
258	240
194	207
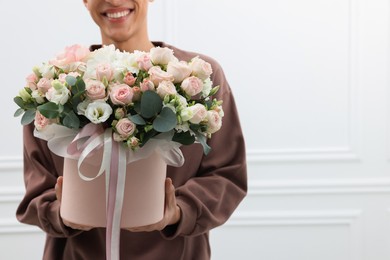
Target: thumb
58	188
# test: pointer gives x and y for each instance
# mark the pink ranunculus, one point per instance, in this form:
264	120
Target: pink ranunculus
95	89
104	70
192	86
41	122
125	128
146	85
161	56
144	62
32	80
179	70
200	68
214	121
121	94
44	85
71	54
156	75
199	113
129	79
166	88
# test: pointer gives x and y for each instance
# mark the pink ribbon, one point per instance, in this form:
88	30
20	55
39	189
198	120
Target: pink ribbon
114	165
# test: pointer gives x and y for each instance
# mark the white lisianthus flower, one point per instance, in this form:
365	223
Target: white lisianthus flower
82	107
47	71
207	86
186	114
39	98
58	93
24	95
98	111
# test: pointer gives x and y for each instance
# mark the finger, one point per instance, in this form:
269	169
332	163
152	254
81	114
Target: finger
58	188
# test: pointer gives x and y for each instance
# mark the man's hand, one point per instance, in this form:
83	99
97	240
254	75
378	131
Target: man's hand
172	213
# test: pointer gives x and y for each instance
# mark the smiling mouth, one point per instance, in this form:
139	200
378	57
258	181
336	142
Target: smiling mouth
117	15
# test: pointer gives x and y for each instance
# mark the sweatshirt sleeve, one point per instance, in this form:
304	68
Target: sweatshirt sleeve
208	199
39	206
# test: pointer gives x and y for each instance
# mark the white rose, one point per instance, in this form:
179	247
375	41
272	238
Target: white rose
179	70
186	114
199	113
166	88
161	56
98	111
214	121
207	86
200	68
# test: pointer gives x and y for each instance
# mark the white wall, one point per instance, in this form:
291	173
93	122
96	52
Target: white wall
311	83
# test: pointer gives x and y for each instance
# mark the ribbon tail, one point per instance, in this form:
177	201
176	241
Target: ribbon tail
115	200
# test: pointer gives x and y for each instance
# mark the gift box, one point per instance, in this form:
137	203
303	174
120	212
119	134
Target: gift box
84	202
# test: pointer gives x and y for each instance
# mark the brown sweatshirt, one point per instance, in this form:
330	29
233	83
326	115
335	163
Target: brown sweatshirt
208	190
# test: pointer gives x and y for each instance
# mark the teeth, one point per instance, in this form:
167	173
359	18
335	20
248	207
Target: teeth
118	14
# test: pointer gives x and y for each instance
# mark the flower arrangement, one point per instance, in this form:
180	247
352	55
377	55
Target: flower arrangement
139	95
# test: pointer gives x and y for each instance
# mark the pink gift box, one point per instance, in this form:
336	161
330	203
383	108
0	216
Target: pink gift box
84	202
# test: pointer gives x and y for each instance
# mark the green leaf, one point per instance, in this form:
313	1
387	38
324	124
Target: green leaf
151	104
79	87
185	138
165	121
147	135
203	141
28	116
70	80
19	101
18	112
137	119
71	120
50	110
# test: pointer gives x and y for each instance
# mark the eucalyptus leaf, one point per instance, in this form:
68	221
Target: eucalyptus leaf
165	121
203	141
18	112
19	101
71	120
28	116
151	104
50	110
137	119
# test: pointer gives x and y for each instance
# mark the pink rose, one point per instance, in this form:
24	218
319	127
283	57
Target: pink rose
146	85
32	80
192	86
199	113
95	89
166	88
129	79
161	56
121	94
104	70
41	122
214	121
125	128
71	54
44	85
156	75
144	62
200	68
133	142
179	70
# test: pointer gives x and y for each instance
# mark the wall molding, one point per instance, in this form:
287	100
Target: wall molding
294	218
319	187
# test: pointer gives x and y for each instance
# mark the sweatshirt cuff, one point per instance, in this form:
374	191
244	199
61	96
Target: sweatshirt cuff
58	225
186	224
